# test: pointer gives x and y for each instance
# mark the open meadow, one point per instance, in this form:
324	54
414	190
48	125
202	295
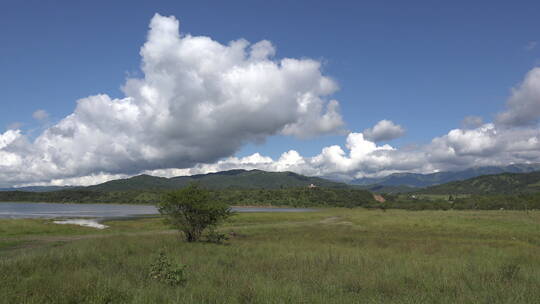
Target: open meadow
328	256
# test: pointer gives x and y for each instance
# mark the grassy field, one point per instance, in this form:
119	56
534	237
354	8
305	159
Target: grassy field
433	197
331	256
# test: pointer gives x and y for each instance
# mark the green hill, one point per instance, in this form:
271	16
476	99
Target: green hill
385	189
139	182
425	180
235	187
238	179
505	183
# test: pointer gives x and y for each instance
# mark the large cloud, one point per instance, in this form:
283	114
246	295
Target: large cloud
471	122
199	101
458	149
513	138
524	104
384	130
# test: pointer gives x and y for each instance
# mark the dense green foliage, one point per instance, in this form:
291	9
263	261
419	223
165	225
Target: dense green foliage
297	197
192	210
386	189
506	183
474	202
331	256
508	191
163	270
507	202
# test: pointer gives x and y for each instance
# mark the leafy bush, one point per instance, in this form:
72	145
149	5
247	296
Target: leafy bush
509	272
162	270
214	236
192	210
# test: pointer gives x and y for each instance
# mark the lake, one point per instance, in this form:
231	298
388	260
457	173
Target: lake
102	211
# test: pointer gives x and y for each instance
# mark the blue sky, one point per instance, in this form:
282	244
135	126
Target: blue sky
424	65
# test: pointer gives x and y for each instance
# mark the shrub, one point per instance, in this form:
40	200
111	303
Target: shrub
162	270
214	236
509	272
192	210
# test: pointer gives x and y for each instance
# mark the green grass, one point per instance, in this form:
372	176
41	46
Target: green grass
45	227
433	197
331	256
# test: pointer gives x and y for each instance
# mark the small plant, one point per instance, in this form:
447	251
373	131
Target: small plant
213	236
509	272
162	270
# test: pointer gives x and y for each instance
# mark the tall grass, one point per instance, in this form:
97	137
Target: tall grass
332	256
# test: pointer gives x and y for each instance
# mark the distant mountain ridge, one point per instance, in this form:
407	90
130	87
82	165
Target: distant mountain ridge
504	183
37	188
241	179
234	187
253	179
238	178
425	180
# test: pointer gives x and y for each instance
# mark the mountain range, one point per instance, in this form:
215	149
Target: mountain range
241	179
253	187
258	179
416	180
504	183
38	188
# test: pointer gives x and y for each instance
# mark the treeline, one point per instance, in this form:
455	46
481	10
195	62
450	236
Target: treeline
474	202
82	196
490	202
294	197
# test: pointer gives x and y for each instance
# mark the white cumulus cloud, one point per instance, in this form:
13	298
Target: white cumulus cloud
472	122
199	101
359	157
384	130
523	107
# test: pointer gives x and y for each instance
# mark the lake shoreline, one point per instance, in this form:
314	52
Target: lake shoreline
102	212
131	204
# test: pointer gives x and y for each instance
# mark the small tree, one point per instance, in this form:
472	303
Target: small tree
192	210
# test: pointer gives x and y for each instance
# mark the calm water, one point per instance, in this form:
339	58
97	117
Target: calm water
50	210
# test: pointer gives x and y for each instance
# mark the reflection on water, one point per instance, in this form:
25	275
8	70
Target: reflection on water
51	210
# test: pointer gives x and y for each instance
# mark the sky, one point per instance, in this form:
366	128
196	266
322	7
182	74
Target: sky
96	90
